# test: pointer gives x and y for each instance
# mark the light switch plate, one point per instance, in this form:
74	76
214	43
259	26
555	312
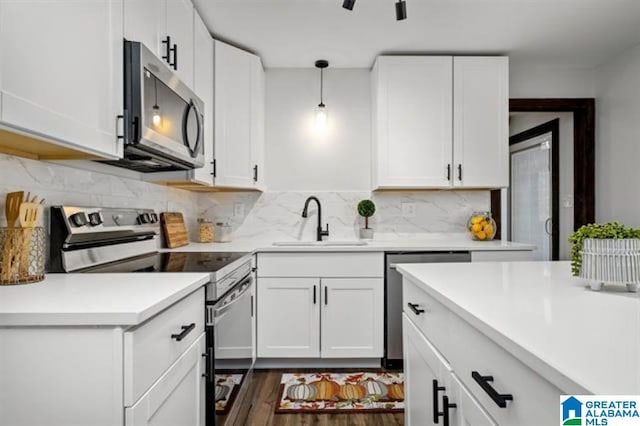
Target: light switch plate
238	210
408	209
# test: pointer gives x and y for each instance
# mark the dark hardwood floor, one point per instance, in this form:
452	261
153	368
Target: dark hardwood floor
265	395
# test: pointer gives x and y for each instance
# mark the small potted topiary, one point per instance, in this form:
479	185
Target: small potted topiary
366	209
606	253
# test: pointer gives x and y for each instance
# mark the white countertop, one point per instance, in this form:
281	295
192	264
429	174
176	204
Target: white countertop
421	242
94	299
578	339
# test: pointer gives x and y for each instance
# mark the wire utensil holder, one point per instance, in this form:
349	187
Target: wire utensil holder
611	261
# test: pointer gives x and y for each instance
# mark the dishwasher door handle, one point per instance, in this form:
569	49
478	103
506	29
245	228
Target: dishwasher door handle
393	266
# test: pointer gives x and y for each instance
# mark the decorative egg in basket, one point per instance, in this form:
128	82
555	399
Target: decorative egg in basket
481	226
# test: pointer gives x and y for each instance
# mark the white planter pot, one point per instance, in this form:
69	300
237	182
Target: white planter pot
366	234
611	262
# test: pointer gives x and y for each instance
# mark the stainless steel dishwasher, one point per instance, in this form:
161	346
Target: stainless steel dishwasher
393	297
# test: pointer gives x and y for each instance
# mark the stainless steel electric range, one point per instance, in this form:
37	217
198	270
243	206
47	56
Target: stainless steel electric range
104	240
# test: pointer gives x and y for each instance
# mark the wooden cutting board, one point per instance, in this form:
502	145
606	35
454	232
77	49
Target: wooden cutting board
175	232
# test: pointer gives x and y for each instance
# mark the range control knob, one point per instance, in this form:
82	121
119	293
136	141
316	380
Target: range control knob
95	219
78	219
144	218
154	218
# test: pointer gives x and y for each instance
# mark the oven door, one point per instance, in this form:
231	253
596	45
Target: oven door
230	342
166	117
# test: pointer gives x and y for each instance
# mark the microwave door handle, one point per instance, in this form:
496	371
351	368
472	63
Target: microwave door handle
199	133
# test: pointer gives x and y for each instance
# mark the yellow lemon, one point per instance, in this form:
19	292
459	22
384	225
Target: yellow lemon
476	227
488	229
481	235
476	219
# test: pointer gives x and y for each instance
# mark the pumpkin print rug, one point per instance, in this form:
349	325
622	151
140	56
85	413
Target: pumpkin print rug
381	392
227	386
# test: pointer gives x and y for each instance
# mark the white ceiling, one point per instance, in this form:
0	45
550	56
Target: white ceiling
294	33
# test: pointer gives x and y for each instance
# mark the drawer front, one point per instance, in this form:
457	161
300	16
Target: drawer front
502	256
326	265
471	351
429	315
150	349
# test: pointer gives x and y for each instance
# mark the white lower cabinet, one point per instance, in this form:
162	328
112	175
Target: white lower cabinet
433	394
288	318
352	317
340	315
178	397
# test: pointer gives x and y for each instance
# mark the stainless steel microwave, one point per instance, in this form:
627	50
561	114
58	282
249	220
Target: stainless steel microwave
164	121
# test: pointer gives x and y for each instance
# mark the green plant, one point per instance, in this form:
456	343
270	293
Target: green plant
366	209
599	231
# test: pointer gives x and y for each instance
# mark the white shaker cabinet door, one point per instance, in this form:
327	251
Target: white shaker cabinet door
412	139
426	377
203	86
145	22
233	116
288	317
178	397
468	412
352	317
481	122
61	71
258	122
180	29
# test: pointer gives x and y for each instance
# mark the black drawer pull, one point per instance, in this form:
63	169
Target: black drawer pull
415	309
499	398
445	410
436	410
186	329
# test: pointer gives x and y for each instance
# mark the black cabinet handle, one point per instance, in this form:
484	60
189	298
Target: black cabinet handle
449	172
175	57
213	163
499	398
326	295
446	405
314	294
186	329
255	173
415	309
251	306
167	55
436	410
460	172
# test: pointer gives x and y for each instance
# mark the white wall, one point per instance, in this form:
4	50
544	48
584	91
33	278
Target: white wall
528	80
618	140
519	122
300	159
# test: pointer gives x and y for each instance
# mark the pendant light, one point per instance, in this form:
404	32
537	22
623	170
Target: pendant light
322	115
156	117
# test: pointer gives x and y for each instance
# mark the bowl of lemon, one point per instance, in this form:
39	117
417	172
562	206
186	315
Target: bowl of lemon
482	226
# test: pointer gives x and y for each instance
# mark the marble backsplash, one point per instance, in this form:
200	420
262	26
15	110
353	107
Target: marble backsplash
277	215
62	184
268	216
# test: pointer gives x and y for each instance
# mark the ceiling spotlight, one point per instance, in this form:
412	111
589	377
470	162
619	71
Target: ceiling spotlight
348	4
401	10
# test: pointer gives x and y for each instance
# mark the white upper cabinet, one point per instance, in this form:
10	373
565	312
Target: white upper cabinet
481	121
166	27
180	29
203	86
236	119
440	122
61	72
258	121
412	121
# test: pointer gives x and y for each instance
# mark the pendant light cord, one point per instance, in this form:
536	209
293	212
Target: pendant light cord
321	86
155	88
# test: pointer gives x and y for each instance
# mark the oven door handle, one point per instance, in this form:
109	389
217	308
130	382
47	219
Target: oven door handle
220	312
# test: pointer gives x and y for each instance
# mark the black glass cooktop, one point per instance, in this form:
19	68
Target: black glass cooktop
171	262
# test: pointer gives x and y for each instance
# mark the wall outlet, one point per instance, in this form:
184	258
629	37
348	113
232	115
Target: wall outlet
408	209
238	210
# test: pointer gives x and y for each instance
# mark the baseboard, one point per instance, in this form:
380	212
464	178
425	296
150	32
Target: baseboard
291	363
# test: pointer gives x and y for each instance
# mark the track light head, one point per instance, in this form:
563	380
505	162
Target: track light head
348	4
401	10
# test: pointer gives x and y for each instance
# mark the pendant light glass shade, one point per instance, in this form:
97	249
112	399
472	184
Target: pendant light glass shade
322	114
156	117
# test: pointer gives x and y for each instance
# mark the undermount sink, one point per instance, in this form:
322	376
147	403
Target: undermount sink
320	243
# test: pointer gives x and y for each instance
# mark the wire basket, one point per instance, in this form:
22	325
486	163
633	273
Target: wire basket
609	261
22	255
